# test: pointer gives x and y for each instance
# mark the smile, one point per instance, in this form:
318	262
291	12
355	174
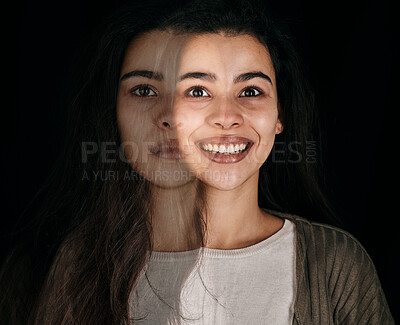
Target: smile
225	150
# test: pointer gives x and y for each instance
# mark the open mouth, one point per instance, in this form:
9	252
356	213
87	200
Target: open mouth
225	150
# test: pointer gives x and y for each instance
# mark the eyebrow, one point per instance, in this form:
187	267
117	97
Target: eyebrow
251	75
198	75
143	73
194	75
212	77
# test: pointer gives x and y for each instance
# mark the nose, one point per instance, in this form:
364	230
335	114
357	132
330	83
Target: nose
164	118
225	115
165	122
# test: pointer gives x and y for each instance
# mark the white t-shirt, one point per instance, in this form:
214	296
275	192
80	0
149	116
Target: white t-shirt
252	285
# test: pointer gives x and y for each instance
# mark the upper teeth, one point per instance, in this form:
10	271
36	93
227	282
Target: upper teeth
222	148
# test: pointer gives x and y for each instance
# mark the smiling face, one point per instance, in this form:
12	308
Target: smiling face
226	108
203	105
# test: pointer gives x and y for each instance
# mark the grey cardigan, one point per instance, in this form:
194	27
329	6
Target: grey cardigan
336	279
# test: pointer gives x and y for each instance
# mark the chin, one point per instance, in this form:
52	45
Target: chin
167	177
170	184
223	181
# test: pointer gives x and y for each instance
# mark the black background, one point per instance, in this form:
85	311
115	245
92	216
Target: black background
350	55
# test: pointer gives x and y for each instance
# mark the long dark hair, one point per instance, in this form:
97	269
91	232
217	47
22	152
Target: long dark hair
92	238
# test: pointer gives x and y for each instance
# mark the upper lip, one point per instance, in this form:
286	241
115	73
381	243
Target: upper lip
168	145
226	140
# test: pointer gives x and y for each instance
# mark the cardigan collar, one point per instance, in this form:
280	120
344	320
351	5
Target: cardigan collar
303	295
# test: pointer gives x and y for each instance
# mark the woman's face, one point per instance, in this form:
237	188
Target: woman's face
145	108
198	105
226	108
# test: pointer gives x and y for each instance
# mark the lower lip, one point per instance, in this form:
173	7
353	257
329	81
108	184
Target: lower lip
173	154
221	158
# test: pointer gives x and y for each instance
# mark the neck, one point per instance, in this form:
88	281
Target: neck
173	218
234	217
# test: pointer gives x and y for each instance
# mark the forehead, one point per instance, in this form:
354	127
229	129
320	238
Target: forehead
164	51
226	54
153	48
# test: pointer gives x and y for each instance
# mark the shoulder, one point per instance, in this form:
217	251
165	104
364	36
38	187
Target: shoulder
332	250
336	263
334	242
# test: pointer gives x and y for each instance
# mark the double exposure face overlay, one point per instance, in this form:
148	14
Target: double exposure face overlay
208	102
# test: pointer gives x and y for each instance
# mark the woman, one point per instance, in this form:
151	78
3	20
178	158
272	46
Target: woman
195	96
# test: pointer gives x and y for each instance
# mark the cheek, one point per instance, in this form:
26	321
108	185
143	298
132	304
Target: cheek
126	125
134	130
267	130
187	122
129	141
265	127
265	124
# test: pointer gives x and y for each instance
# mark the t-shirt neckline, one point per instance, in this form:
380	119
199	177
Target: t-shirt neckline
227	253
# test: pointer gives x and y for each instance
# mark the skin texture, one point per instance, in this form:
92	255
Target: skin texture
145	121
201	97
222	111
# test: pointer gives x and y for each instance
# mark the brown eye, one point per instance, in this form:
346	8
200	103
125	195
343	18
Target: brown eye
143	91
198	92
250	92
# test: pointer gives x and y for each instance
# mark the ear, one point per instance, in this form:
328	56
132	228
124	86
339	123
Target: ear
279	124
279	127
